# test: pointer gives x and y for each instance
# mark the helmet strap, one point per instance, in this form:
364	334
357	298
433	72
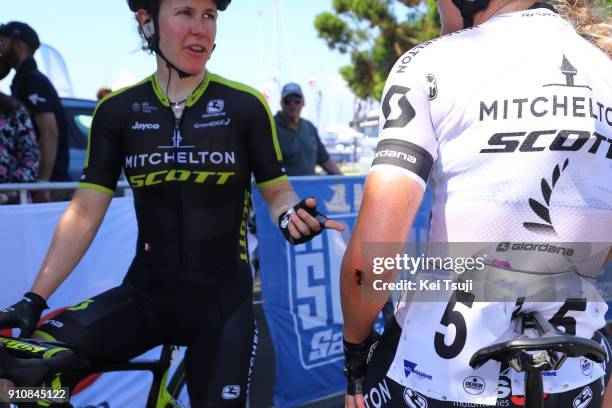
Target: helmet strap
153	45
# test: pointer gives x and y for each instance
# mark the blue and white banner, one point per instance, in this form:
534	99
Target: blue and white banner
301	288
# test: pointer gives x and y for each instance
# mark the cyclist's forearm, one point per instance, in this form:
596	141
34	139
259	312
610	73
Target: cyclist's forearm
279	198
73	235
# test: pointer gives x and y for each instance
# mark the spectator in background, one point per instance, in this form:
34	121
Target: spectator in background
298	138
19	153
18	43
102	92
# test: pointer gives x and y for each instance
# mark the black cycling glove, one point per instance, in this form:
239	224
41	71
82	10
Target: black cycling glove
283	222
356	359
24	314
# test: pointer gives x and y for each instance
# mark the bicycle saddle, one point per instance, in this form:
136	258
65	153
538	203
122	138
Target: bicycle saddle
28	362
550	342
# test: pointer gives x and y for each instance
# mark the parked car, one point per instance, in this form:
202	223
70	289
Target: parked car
79	114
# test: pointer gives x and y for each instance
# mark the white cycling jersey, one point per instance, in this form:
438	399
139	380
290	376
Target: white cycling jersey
513	121
510	124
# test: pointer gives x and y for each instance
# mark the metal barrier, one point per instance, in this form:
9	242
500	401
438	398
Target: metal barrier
23	188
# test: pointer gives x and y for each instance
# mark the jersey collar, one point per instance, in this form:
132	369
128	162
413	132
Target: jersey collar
193	98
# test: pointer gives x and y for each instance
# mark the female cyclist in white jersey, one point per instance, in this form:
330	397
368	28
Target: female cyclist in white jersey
508	119
188	142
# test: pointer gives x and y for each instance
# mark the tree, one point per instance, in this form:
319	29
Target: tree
375	37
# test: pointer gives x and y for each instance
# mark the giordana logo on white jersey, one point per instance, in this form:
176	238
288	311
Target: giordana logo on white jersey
585	397
230	392
394	153
145	126
413	399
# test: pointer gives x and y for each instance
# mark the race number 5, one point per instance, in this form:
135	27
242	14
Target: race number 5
567	322
455	318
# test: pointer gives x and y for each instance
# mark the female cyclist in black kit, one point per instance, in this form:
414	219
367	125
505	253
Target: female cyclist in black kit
188	141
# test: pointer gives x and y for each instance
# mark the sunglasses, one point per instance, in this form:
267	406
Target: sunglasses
292	100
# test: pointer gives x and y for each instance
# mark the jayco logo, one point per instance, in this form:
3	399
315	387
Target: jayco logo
145	126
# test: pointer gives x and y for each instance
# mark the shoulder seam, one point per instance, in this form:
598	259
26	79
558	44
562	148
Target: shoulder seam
235	85
120	91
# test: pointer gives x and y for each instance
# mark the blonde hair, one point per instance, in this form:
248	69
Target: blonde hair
591	18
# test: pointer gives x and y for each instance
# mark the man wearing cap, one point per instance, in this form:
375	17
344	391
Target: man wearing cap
18	42
298	138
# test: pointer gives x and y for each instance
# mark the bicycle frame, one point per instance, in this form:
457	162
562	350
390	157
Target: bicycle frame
158	397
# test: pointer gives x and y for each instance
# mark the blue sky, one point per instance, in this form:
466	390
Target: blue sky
98	41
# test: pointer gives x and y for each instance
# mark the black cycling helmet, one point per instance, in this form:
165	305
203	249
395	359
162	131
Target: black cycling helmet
145	4
152	36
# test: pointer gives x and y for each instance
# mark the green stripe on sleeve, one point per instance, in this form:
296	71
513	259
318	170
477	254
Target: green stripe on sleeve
97	187
273	181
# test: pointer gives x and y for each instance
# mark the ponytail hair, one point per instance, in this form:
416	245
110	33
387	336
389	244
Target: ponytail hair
591	18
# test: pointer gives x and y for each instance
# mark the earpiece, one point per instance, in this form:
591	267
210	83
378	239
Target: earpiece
148	29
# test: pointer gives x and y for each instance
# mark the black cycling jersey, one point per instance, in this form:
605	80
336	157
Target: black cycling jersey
190	177
35	90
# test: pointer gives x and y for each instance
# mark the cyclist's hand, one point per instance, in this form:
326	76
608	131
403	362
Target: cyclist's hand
354	401
356	358
303	222
23	314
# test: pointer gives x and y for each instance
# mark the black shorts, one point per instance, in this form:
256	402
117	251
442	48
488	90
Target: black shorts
383	392
215	323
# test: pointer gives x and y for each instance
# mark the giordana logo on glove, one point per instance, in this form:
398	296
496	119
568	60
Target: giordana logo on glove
285	218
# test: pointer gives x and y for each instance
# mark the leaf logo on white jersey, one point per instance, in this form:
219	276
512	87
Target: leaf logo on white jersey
541	210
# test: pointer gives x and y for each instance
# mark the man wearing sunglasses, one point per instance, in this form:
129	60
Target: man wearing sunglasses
298	138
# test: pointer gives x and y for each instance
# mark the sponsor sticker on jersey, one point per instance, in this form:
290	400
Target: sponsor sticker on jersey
413	399
215	106
230	392
396	107
35	98
145	126
474	385
586	366
433	86
144	107
410	368
584	398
